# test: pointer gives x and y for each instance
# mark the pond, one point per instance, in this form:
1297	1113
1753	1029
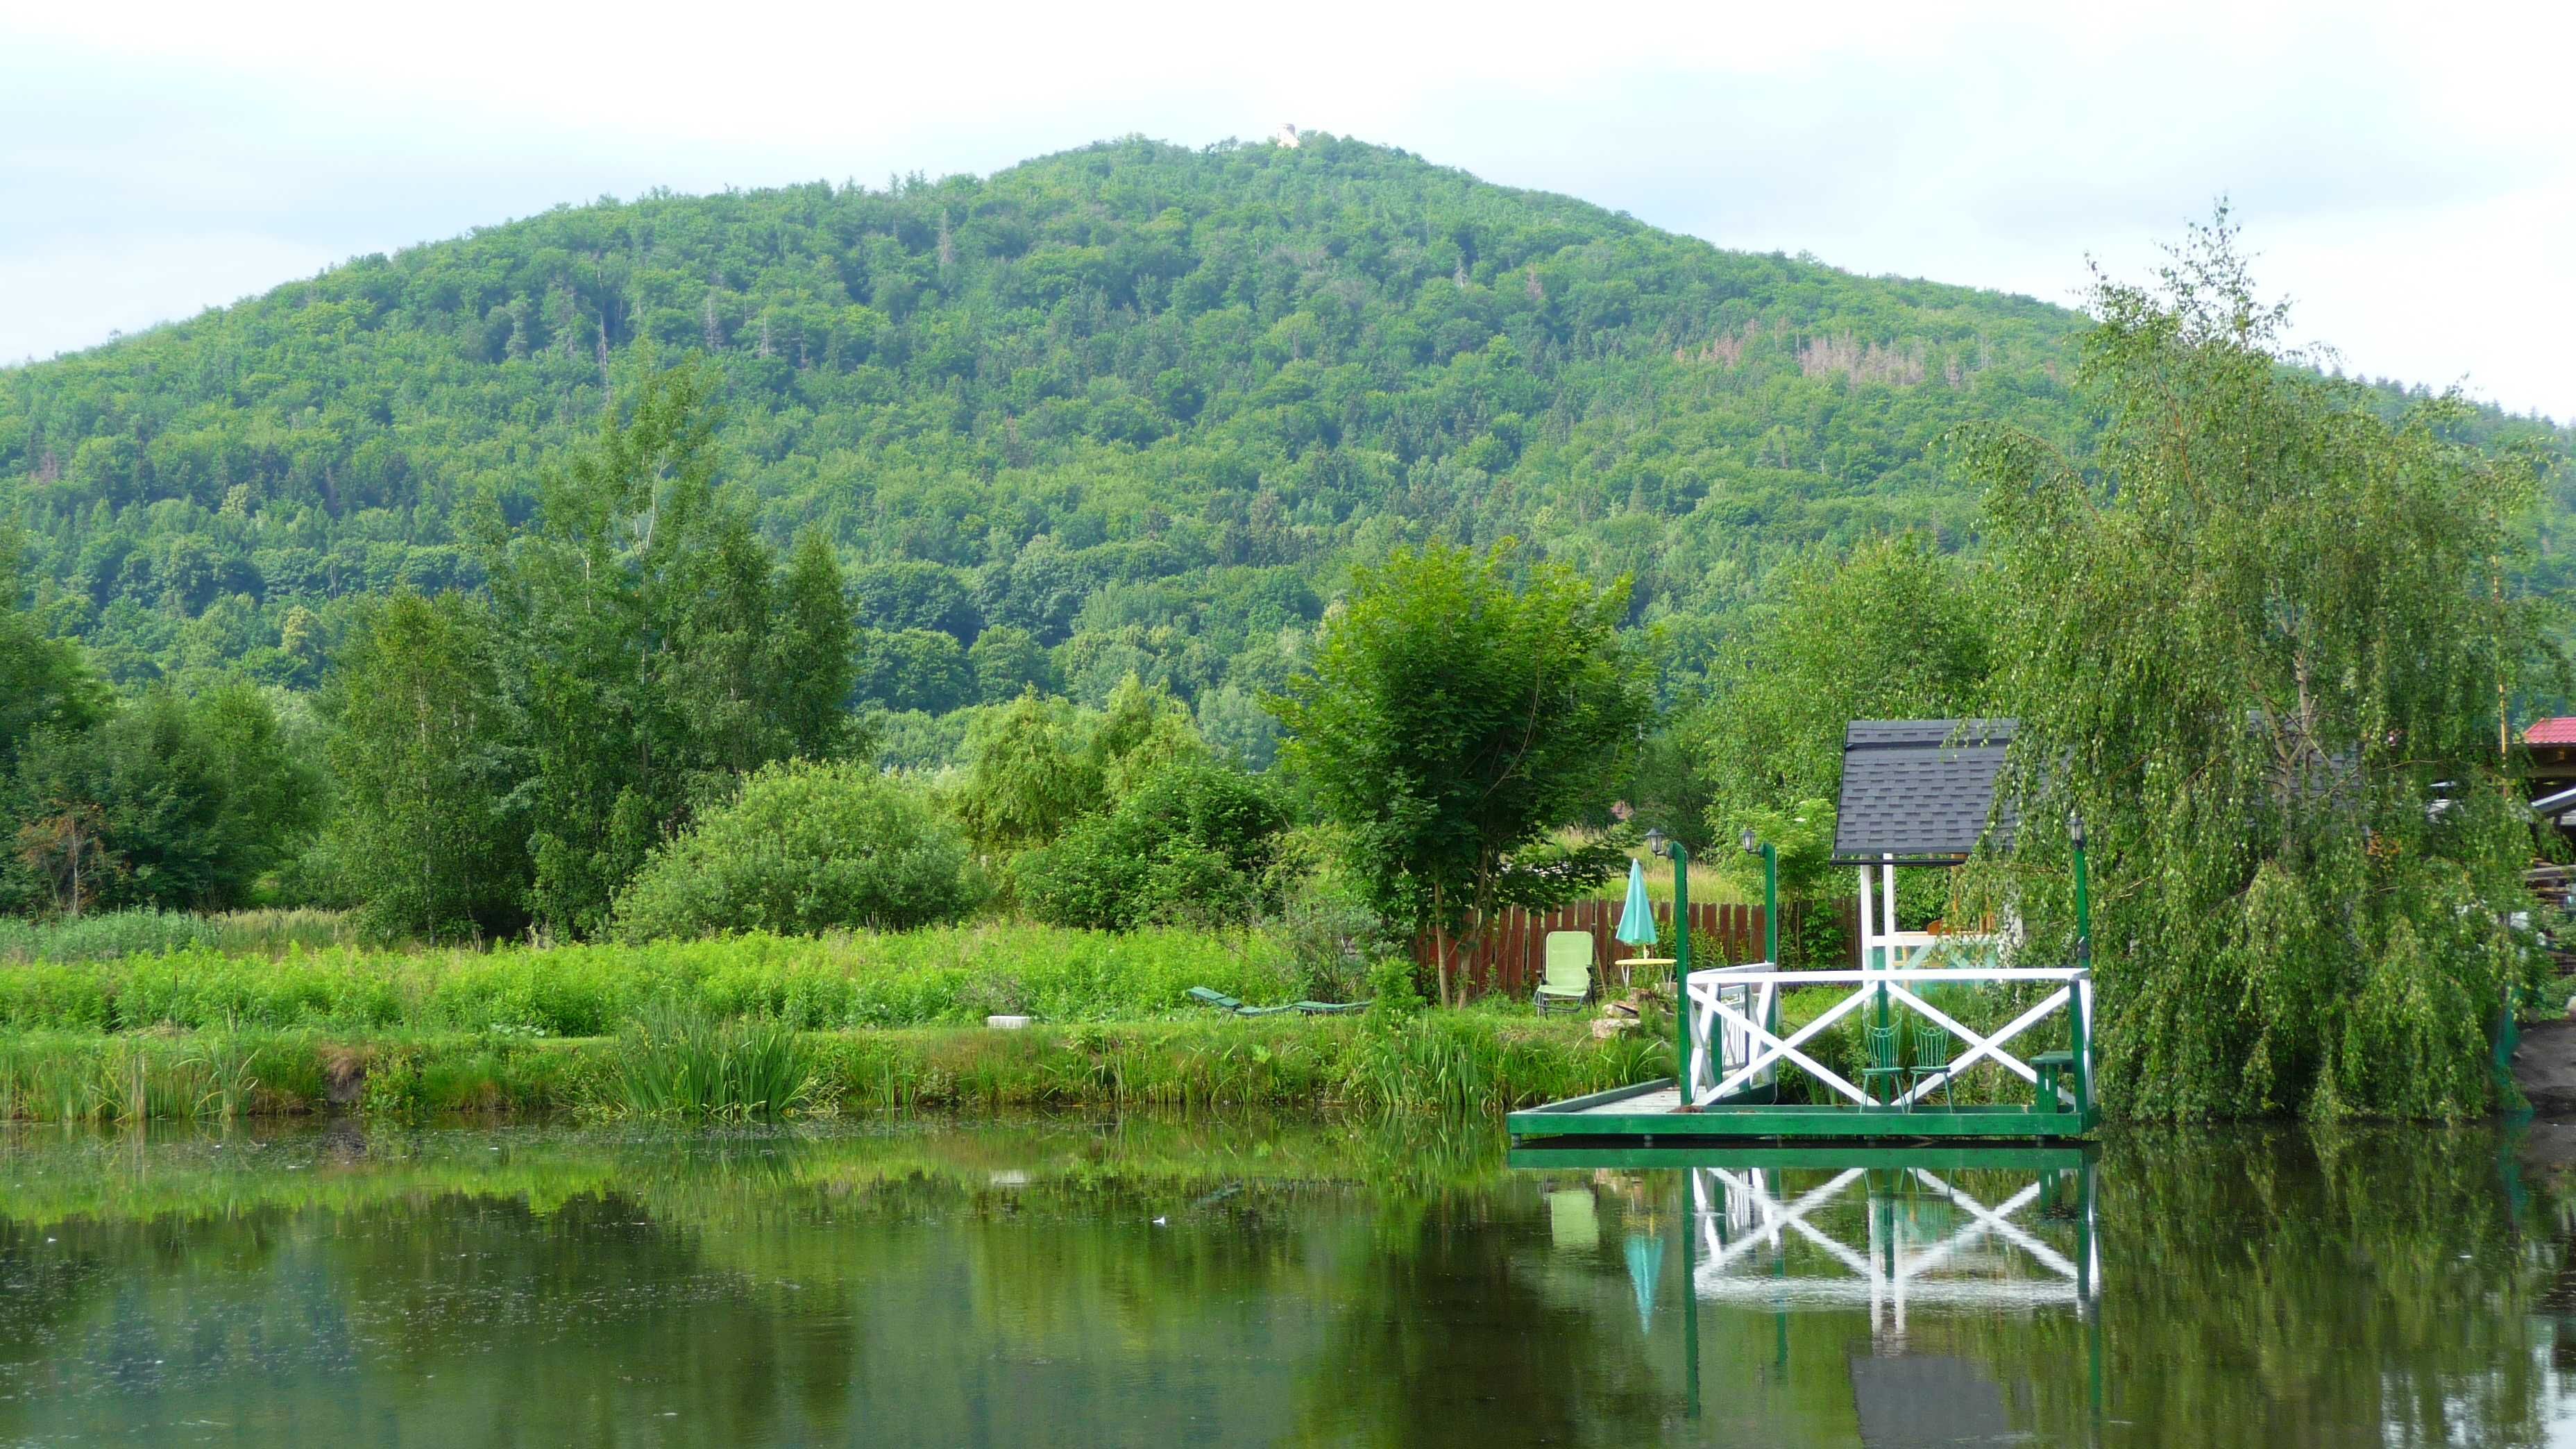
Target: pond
1159	1282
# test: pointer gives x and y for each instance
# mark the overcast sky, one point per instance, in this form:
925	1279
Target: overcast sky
2406	173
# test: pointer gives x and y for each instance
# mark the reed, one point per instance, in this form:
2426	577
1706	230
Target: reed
673	1063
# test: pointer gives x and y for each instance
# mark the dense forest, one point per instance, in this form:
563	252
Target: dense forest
1134	408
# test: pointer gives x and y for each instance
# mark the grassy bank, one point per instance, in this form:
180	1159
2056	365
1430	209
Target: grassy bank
1441	1062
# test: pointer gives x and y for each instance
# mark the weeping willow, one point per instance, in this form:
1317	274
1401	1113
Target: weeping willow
2260	644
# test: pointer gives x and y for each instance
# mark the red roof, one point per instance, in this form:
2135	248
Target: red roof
2557	730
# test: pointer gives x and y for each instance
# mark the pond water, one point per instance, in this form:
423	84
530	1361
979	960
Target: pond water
1214	1282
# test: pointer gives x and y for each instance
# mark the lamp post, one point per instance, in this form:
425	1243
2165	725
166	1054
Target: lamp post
2079	1030
2083	893
1661	844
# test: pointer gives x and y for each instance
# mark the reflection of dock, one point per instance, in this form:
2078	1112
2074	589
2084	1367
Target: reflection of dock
1929	1241
1923	1236
1841	1227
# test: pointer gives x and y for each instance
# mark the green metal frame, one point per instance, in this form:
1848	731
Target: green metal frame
1582	1117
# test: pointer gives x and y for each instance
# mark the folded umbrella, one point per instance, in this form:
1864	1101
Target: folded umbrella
1637	920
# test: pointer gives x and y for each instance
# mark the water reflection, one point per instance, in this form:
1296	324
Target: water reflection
1074	1282
1878	1233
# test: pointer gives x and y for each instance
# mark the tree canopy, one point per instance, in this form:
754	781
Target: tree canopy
1454	715
2260	647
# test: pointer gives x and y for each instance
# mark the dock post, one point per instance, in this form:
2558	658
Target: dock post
1681	978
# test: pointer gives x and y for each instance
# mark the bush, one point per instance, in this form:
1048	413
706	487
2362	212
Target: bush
805	848
1333	936
1194	842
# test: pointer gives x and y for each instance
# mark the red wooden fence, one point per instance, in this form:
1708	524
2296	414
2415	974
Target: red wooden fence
1511	954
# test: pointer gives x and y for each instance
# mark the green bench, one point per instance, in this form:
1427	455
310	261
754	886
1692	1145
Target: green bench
2051	1066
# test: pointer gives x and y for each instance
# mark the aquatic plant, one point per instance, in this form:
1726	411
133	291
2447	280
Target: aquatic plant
675	1063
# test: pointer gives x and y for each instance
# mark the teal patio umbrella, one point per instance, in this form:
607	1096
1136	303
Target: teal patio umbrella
1637	918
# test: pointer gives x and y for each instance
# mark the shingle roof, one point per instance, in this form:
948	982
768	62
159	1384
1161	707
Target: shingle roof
1919	789
2557	730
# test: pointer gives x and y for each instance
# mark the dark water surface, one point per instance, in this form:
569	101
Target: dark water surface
1156	1282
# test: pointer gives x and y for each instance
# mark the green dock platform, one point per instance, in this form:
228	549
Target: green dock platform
1649	1112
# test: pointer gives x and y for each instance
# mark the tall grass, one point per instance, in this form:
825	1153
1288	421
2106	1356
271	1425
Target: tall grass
955	975
213	1076
109	935
674	1063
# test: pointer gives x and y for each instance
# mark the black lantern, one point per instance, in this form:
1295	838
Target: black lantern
1657	843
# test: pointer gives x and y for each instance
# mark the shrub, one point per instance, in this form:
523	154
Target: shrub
1333	936
1193	842
805	848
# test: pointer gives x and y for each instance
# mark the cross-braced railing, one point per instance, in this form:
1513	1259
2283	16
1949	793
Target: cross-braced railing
1737	1045
1744	1220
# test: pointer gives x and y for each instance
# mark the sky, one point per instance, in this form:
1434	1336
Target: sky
2406	175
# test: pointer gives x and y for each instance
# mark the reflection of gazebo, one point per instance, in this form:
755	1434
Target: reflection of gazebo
1916	792
1904	1233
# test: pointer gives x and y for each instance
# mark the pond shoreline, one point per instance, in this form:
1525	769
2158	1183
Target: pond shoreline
1438	1061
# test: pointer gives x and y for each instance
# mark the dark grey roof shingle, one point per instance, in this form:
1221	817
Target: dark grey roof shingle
1919	789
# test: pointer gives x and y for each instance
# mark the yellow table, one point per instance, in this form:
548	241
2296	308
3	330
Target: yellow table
1628	966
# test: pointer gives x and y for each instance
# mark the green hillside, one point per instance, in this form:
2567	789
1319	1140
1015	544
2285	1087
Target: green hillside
1134	407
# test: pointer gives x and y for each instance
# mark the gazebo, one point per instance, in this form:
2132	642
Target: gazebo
1916	793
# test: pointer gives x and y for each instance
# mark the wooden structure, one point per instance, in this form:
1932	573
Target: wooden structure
2549	755
1915	793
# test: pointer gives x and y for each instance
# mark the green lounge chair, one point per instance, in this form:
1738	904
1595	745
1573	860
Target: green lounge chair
1569	971
1234	1006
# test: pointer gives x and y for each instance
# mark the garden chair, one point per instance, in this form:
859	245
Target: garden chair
1886	1066
1568	982
1931	1058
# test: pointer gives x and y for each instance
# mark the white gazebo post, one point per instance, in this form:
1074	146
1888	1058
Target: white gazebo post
1867	937
1887	911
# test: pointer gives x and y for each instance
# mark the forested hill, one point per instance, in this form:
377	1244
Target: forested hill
1130	407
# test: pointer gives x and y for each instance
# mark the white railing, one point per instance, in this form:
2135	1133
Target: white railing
1736	1045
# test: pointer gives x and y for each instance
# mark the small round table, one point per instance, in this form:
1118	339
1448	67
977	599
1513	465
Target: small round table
1628	966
